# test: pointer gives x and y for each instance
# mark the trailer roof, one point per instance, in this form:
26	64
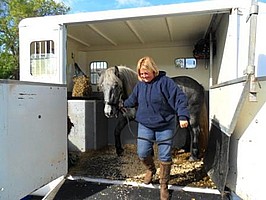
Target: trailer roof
176	24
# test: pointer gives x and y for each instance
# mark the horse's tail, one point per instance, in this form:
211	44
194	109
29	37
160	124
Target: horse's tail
204	130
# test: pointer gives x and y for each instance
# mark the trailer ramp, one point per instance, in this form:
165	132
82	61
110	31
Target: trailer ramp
84	188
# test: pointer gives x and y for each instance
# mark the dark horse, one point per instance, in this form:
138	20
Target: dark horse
117	83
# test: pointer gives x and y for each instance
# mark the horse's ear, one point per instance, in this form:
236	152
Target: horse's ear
100	72
116	71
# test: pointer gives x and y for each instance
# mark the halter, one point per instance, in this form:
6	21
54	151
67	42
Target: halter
114	102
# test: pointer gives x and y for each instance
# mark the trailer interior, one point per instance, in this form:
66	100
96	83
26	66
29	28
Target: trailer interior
190	37
165	38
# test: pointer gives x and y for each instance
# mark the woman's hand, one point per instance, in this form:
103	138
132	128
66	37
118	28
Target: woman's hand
121	107
183	123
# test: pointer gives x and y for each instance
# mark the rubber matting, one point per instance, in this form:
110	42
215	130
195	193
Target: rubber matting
84	190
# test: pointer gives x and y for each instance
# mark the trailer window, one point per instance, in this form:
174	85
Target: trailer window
95	68
42	58
186	63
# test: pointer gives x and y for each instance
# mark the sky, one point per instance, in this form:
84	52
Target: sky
99	5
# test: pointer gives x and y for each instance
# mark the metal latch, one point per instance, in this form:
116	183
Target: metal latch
252	88
253	92
249	70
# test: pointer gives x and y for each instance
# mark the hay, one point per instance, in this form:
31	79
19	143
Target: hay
105	163
82	86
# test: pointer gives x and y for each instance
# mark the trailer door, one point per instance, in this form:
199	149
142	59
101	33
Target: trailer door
228	100
33	136
42	52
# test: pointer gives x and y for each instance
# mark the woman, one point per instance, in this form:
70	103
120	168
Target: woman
159	101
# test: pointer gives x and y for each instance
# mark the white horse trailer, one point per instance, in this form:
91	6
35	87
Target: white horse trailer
224	41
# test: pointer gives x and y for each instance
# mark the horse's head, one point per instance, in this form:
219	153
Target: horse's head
112	88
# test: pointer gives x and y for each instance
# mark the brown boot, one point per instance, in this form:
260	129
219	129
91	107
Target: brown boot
151	170
165	168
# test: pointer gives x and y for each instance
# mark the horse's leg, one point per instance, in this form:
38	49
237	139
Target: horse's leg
198	131
194	142
204	131
118	129
194	130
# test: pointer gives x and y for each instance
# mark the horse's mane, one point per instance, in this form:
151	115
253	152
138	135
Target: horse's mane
128	77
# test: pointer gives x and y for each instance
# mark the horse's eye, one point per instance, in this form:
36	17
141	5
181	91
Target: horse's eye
99	88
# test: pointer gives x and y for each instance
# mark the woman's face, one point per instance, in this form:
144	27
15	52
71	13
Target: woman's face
146	75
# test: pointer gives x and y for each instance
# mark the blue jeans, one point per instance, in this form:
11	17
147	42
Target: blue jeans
145	146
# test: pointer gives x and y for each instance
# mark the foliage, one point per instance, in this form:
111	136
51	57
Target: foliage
8	66
11	13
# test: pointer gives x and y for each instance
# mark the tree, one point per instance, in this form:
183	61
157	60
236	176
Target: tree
11	13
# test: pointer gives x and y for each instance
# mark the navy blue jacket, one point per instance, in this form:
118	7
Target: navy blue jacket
158	102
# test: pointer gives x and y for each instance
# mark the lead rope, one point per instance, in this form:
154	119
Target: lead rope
142	138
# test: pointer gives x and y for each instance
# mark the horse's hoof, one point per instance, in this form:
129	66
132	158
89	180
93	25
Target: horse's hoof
193	158
119	152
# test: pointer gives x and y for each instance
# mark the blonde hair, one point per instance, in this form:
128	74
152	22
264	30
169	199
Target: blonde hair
149	64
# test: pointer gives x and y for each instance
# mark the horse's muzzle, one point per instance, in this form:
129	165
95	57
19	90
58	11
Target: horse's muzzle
110	111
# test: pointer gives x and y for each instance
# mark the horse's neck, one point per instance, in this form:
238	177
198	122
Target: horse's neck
125	91
128	85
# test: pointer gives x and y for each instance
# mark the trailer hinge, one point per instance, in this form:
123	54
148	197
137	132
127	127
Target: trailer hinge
254	10
252	88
